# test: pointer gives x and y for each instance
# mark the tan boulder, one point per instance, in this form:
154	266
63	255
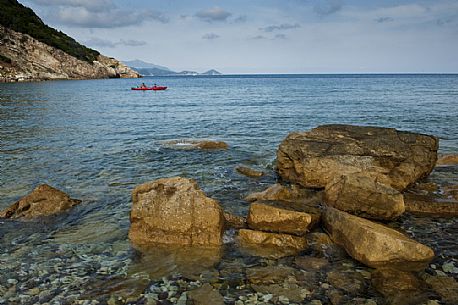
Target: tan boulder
314	158
175	211
364	196
268	218
374	244
278	192
249	172
447	160
271	244
430	205
44	200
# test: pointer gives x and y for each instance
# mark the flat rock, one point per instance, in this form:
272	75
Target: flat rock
271	244
268	218
429	205
205	295
374	244
314	158
175	211
447	160
249	172
44	200
364	196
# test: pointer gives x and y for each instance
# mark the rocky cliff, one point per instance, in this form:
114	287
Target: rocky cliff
23	58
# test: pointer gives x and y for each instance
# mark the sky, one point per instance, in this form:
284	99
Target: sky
266	36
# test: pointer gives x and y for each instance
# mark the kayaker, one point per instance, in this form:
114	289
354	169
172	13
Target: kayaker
143	85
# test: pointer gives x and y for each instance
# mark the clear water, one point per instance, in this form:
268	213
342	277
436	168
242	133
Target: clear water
96	140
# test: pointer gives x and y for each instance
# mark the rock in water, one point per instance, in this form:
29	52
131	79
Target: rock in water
448	160
272	219
205	295
284	242
364	196
174	211
314	158
249	172
374	244
44	200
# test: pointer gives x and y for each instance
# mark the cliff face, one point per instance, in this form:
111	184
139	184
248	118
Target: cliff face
23	58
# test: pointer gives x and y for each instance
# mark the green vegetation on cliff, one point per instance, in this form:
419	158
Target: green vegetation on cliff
19	18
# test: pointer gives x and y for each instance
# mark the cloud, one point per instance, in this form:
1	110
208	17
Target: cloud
327	7
259	37
210	36
384	19
284	26
241	19
97	14
103	43
81	17
280	36
213	14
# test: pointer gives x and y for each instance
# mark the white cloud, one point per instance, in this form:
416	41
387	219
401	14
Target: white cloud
213	14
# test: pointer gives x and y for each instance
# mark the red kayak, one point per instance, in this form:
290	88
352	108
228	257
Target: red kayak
155	88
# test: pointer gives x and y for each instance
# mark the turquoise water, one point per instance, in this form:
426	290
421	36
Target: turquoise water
97	140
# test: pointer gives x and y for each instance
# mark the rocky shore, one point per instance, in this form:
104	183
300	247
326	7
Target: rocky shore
24	58
336	229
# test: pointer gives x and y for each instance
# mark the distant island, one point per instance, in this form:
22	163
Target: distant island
149	69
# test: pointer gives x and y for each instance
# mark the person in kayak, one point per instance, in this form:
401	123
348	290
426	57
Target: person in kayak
143	85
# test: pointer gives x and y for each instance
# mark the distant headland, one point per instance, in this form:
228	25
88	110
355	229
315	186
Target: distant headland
149	69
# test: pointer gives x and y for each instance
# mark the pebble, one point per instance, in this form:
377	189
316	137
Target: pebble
12	281
325	286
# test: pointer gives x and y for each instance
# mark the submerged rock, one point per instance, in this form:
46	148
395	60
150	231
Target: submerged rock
175	211
187	144
205	295
399	287
249	172
314	158
269	274
446	287
374	244
364	196
268	218
44	200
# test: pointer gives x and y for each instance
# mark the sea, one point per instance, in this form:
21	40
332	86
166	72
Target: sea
97	139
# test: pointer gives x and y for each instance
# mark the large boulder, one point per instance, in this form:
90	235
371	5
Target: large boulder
44	200
174	211
364	196
374	244
268	218
314	158
430	205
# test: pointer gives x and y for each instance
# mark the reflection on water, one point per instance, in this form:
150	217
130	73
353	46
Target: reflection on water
96	140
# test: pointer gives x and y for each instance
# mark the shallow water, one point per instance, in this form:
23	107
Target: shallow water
96	140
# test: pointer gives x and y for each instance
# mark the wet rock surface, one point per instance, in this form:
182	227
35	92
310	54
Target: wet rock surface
189	144
44	200
175	211
249	172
